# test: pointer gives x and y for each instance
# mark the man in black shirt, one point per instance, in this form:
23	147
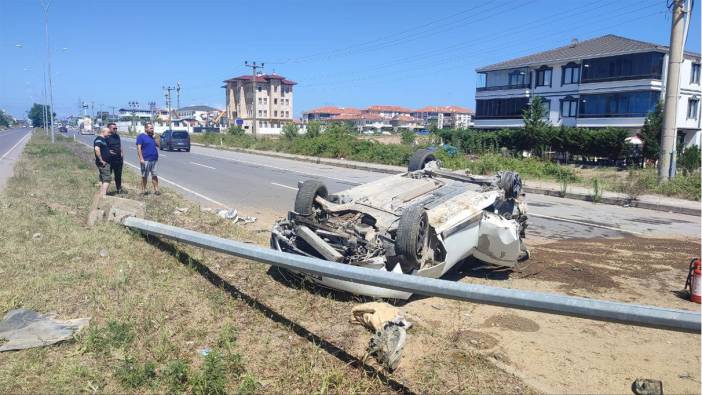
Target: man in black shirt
116	155
102	157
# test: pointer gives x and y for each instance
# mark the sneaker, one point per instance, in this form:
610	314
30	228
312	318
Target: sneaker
157	193
121	191
144	193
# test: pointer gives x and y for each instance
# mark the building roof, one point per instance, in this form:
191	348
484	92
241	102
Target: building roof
333	110
608	45
198	108
378	108
405	118
262	78
451	109
357	116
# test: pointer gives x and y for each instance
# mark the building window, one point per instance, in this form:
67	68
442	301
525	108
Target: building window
569	107
543	76
275	101
500	108
693	107
287	114
517	78
546	104
624	104
623	67
695	74
260	100
265	100
275	113
260	113
571	74
259	88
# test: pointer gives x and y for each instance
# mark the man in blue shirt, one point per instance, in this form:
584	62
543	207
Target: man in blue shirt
147	150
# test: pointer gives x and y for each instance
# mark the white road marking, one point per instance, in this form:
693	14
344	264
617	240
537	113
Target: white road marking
284	186
15	146
200	164
530	214
283	169
183	188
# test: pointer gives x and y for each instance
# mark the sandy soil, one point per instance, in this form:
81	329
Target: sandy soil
557	354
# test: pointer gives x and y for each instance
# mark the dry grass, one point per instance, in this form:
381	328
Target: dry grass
155	305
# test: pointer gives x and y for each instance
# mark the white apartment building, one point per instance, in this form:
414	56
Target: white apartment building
274	102
601	82
452	117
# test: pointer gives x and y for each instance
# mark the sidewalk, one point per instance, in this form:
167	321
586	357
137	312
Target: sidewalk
651	202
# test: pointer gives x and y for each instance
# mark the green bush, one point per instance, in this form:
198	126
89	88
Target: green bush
408	136
133	374
236	131
689	159
314	129
290	131
211	379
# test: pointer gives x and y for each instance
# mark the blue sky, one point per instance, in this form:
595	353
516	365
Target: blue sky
341	52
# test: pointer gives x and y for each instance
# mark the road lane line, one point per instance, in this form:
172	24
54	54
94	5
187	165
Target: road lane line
200	164
183	188
15	146
284	186
283	169
529	214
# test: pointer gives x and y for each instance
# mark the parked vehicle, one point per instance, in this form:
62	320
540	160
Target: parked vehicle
175	140
63	129
421	222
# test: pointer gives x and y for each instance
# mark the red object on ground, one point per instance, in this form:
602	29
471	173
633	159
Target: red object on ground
695	279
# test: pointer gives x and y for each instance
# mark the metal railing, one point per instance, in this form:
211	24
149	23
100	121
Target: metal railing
648	316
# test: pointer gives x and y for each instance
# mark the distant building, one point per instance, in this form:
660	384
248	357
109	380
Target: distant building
388	111
327	112
606	81
274	102
452	117
199	115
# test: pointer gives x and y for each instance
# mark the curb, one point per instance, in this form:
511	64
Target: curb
615	201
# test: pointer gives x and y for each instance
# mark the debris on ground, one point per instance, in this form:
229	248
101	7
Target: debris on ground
23	328
390	331
233	215
647	387
36	236
114	209
180	210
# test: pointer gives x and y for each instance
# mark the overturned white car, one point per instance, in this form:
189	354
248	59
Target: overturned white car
421	222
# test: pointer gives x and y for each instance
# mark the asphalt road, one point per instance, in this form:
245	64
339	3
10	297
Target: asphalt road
265	187
11	144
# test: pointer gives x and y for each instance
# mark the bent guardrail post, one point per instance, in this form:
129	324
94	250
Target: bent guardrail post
633	314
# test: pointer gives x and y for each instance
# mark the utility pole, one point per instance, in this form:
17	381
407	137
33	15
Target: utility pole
168	90
48	66
178	95
134	105
152	109
666	157
253	66
44	109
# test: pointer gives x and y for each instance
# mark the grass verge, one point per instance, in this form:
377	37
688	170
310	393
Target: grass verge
171	318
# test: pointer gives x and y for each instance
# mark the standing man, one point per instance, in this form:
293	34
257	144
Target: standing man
147	150
102	160
114	143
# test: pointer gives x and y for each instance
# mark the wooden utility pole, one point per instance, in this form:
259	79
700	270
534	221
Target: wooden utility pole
666	159
253	66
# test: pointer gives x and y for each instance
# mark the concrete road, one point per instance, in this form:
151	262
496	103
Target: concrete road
12	143
265	187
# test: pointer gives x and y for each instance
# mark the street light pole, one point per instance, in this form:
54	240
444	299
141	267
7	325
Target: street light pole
48	66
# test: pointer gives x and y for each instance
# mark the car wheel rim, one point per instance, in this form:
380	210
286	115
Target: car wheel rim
421	237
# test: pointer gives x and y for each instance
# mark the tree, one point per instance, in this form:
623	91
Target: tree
689	159
651	133
536	126
5	119
314	129
407	136
290	131
36	115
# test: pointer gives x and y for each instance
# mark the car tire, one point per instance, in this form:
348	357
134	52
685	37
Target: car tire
420	159
308	191
187	150
412	236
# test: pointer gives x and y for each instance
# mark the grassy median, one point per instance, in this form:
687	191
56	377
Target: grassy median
171	318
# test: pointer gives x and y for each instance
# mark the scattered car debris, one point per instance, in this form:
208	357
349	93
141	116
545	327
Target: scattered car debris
36	236
421	222
233	215
104	253
390	331
647	387
180	210
23	328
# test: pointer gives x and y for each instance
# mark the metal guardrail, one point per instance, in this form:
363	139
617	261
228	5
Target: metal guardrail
648	316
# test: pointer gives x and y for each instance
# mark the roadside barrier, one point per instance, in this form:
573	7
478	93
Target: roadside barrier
602	310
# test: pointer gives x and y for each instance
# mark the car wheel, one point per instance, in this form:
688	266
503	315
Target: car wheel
412	239
420	159
187	150
309	190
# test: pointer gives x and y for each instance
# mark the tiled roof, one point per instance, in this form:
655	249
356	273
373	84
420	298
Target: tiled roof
262	78
333	110
608	45
198	108
388	109
405	118
452	109
357	116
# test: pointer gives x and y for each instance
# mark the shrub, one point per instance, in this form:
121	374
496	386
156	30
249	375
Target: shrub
689	159
176	375
210	380
313	129
290	131
133	374
407	137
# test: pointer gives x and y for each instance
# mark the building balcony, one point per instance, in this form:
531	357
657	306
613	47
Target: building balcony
503	87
